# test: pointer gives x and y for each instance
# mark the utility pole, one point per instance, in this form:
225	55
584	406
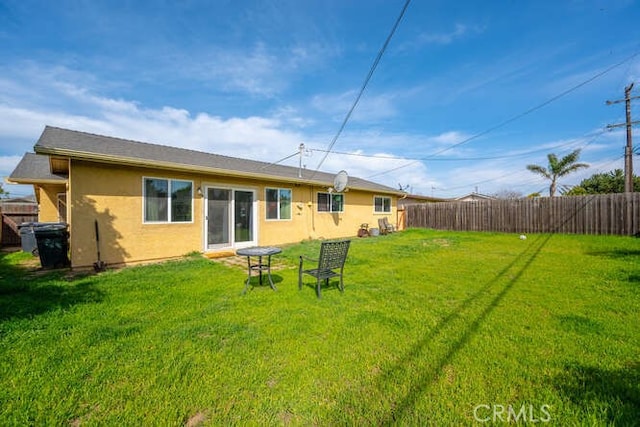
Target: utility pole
301	153
628	150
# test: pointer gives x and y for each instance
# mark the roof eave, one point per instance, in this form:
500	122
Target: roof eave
35	181
120	160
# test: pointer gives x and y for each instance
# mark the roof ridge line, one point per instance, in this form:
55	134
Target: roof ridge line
155	144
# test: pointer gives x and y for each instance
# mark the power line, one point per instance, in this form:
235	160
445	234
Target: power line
458	159
364	86
593	139
520	115
600	168
280	161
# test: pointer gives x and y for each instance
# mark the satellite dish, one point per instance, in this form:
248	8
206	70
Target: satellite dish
340	181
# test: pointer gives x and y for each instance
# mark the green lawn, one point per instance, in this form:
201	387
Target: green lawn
434	328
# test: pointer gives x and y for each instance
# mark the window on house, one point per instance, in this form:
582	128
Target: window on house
181	196
278	203
62	207
330	202
382	204
168	200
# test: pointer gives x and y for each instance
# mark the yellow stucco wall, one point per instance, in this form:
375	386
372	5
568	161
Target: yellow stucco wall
48	202
112	195
308	223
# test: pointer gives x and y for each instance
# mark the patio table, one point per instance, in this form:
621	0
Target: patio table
259	251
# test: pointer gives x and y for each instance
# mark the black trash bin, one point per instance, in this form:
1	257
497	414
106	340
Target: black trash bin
53	245
27	238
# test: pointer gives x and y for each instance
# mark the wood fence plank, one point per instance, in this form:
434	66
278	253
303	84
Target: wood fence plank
592	214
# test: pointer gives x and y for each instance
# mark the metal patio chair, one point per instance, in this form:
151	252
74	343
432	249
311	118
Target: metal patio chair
330	264
390	227
384	226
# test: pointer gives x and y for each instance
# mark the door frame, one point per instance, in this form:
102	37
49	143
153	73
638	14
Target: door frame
232	241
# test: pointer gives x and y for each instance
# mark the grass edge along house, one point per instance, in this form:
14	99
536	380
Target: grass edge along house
154	202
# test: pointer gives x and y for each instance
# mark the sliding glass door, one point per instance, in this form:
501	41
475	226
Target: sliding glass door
218	203
230	218
243	216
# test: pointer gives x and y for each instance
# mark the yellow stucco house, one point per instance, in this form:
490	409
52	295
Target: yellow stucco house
154	202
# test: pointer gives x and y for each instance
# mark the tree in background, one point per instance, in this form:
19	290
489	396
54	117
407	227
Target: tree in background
2	192
603	183
507	194
558	168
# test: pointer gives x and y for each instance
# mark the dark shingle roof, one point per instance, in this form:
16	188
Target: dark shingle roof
75	144
34	168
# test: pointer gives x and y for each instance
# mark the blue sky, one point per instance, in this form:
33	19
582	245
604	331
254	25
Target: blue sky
459	101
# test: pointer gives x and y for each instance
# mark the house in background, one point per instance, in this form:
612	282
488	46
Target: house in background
473	197
412	199
154	202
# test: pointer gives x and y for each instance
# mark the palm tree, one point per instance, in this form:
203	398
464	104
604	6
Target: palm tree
558	168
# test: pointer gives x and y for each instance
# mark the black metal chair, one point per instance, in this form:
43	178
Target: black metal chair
332	258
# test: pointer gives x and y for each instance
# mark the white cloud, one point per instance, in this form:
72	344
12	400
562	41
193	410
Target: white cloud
260	71
458	32
253	137
443	38
370	109
8	163
270	138
253	73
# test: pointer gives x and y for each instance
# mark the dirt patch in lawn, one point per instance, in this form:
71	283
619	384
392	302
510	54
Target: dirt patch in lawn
437	242
197	420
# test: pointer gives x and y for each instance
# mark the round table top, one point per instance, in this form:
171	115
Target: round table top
259	251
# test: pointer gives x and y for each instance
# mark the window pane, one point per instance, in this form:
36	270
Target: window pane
323	202
386	204
337	200
218	211
272	203
181	196
243	216
156	192
285	204
377	204
382	204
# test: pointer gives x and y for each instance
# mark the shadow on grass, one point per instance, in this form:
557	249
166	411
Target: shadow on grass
254	281
623	255
312	284
613	394
617	253
580	324
634	278
27	292
456	336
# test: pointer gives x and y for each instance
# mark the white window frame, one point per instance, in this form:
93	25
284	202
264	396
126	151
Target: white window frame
331	209
279	216
382	212
169	191
209	247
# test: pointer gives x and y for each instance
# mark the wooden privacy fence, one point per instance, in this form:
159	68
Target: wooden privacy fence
13	214
593	214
